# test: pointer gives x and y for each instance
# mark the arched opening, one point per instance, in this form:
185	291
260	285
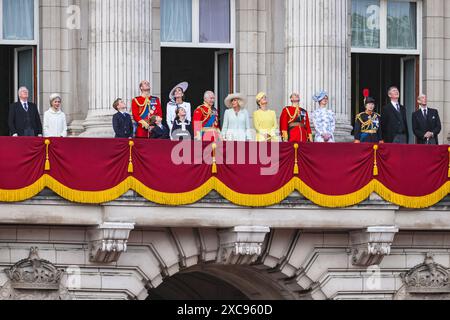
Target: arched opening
215	282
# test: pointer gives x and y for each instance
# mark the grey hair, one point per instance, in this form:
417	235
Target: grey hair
208	94
22	89
422	95
53	97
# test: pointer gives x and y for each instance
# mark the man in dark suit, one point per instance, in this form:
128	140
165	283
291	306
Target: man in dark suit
426	123
394	126
24	119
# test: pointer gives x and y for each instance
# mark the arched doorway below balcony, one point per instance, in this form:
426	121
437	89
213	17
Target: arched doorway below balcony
215	282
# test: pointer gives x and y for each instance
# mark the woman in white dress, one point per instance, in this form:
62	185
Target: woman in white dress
324	119
236	123
176	97
55	124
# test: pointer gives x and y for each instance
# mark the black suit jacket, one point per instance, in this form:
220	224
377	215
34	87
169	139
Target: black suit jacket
422	125
158	133
123	126
19	118
390	122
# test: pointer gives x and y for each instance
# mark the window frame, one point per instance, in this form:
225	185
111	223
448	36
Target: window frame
383	32
33	42
195	43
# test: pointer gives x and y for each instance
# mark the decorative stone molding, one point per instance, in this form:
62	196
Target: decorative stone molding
34	279
371	245
34	273
241	245
428	277
108	241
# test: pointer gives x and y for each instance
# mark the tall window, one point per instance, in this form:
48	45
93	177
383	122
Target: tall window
197	23
386	25
402	25
366	23
18	19
176	20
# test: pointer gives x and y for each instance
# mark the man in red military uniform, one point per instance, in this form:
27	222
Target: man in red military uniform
144	107
206	120
294	122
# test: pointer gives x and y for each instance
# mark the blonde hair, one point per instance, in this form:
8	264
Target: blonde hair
259	97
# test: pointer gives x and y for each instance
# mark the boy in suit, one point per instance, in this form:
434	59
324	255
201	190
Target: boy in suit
158	130
123	126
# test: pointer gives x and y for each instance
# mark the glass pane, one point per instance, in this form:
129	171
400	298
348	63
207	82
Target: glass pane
366	23
18	19
402	25
215	21
176	20
25	70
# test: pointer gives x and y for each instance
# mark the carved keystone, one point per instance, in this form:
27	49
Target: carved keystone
241	245
371	245
108	241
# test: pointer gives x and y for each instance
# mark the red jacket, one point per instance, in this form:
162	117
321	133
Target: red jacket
300	130
143	109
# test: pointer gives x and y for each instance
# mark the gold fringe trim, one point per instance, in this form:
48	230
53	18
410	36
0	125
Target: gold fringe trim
47	158
334	201
23	194
249	200
173	199
253	200
412	202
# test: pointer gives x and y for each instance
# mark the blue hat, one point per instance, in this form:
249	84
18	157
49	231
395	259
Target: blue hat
320	96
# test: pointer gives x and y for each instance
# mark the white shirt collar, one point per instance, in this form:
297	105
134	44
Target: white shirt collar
424	108
395	104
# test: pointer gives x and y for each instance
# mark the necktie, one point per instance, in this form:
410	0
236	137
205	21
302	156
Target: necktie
25	106
425	114
398	107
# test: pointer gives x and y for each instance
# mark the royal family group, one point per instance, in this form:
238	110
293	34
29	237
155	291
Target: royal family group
202	123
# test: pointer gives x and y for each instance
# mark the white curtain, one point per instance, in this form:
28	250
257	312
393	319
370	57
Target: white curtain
215	21
18	19
176	20
366	23
402	25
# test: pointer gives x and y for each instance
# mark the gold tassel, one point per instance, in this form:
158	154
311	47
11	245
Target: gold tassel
375	163
214	165
296	168
449	162
130	164
47	158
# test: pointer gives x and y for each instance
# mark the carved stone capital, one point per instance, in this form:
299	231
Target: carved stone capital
371	245
241	245
108	241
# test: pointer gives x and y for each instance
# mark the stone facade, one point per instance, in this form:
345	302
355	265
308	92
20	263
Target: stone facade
130	248
294	250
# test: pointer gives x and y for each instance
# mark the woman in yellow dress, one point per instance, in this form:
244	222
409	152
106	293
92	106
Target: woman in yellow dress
265	121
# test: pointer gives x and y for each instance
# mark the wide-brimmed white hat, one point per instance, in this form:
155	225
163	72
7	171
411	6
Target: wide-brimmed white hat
183	86
233	96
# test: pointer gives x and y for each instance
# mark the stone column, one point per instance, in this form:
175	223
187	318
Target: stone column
318	55
120	53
